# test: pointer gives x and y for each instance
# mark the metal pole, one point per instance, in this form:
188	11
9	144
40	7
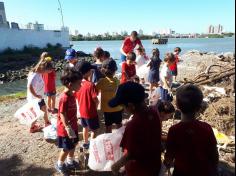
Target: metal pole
62	18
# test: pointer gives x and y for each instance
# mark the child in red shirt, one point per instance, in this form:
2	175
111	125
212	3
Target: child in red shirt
88	103
142	138
67	127
191	144
128	70
173	67
49	79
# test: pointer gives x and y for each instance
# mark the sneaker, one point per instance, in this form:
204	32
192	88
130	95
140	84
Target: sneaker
63	169
86	146
74	165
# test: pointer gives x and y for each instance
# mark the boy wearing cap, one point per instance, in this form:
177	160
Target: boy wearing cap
88	102
142	138
108	87
71	58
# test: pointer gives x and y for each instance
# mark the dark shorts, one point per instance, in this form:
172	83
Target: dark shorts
92	124
113	117
174	72
50	94
66	143
41	103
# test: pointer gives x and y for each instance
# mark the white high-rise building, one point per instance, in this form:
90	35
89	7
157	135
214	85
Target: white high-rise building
215	29
3	19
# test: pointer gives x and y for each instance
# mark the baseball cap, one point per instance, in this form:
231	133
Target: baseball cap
109	64
84	67
70	54
129	92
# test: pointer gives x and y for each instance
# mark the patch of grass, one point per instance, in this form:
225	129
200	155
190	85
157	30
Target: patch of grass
22	95
19	95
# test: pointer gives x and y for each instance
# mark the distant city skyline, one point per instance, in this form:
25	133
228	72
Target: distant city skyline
99	17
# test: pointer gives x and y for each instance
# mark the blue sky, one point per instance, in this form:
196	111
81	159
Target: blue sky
100	16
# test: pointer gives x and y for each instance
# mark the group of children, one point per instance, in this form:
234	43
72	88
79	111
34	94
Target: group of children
190	145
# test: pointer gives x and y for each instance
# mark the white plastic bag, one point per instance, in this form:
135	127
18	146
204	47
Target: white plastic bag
143	71
105	150
29	113
50	132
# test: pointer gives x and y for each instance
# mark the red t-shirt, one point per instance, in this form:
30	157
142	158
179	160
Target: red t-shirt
49	82
173	67
192	144
85	96
67	106
130	70
129	46
142	141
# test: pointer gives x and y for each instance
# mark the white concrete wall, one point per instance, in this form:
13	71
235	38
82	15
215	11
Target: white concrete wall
17	39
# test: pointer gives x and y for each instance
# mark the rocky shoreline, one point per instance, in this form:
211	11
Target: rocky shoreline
18	74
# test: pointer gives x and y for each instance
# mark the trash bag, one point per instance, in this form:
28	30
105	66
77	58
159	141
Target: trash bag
142	72
105	150
29	113
50	132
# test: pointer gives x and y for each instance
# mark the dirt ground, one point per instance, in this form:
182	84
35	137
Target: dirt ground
25	154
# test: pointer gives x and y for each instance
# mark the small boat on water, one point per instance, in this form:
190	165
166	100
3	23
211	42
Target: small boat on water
160	41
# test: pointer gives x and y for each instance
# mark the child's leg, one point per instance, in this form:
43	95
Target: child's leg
62	156
85	134
109	129
151	88
50	103
53	102
45	116
93	134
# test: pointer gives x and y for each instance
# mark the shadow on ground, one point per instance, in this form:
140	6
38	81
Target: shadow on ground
14	166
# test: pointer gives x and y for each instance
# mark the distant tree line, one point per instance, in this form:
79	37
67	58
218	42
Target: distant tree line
108	36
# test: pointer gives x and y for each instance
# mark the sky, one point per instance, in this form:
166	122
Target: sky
100	16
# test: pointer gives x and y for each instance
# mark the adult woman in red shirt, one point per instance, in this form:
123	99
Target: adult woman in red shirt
129	44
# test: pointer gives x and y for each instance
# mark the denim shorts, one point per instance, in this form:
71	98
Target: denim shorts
50	94
92	124
123	58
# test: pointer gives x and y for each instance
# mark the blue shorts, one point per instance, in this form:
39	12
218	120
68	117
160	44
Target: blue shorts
66	143
113	117
123	58
92	124
41	103
50	94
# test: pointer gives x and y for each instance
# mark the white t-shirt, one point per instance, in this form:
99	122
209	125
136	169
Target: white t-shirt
140	60
166	73
36	80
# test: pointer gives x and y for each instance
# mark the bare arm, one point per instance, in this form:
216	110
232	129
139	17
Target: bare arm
64	119
34	93
96	101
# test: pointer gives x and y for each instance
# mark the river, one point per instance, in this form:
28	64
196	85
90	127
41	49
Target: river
217	45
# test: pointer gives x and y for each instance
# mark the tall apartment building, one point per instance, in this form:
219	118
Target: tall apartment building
215	29
3	19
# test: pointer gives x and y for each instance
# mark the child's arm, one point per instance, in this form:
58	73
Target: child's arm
119	164
34	93
96	101
67	126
